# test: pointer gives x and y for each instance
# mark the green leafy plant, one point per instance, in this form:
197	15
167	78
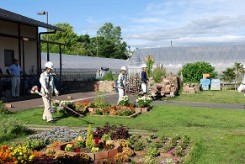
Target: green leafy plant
153	151
89	138
158	73
149	60
229	74
108	76
139	145
99	101
34	144
11	128
193	72
124	101
98	112
143	101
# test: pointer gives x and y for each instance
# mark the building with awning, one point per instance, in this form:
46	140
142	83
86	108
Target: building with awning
20	39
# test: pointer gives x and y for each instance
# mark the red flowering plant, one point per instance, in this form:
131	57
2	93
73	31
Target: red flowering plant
83	105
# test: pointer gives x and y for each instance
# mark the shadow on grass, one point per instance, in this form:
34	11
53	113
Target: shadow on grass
64	116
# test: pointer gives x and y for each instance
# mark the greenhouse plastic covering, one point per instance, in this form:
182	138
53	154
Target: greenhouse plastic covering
83	62
173	58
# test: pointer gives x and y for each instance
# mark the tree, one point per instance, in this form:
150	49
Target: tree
238	68
229	74
108	43
113	39
110	32
100	47
74	44
193	72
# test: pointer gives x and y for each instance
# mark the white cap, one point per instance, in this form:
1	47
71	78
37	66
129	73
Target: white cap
49	65
123	68
144	66
243	66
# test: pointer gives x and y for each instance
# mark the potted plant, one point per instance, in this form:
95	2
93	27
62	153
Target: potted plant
144	103
124	101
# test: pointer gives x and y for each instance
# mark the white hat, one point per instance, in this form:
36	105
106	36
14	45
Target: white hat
123	68
49	65
144	66
243	66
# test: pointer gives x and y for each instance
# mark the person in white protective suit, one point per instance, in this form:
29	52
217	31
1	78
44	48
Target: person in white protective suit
241	88
121	83
47	89
144	79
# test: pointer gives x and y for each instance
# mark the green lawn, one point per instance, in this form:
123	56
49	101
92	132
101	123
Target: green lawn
226	96
218	135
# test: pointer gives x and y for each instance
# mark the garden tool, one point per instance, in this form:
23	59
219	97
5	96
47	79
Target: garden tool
34	90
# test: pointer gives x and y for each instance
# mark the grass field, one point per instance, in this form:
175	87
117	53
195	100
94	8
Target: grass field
226	96
218	136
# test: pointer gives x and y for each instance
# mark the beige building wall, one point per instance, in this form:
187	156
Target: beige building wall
30	56
9	44
30	46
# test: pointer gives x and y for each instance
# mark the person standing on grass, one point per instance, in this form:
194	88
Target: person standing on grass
241	88
144	79
121	83
15	73
47	89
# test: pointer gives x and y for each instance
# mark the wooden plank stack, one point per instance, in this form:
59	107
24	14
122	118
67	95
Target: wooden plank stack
190	88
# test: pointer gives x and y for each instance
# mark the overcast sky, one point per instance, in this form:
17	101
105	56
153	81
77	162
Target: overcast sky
146	23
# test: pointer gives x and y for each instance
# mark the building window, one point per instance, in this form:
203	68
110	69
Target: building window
8	57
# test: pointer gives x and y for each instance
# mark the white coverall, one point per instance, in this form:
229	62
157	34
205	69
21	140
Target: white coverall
121	83
47	89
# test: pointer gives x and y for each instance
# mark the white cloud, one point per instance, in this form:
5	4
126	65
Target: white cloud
91	20
146	20
189	22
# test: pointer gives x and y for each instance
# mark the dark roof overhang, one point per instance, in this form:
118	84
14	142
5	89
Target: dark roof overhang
14	17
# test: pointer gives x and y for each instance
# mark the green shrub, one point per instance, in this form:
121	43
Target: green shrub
193	72
11	128
108	76
35	144
158	73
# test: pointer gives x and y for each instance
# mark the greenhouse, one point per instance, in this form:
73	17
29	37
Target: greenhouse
173	58
76	67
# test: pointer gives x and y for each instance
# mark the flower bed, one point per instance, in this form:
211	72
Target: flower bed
99	107
109	143
94	154
115	111
153	149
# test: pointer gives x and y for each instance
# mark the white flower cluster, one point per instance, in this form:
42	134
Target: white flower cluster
144	98
124	98
64	103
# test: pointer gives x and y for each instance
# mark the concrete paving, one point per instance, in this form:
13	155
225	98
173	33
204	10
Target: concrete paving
37	102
